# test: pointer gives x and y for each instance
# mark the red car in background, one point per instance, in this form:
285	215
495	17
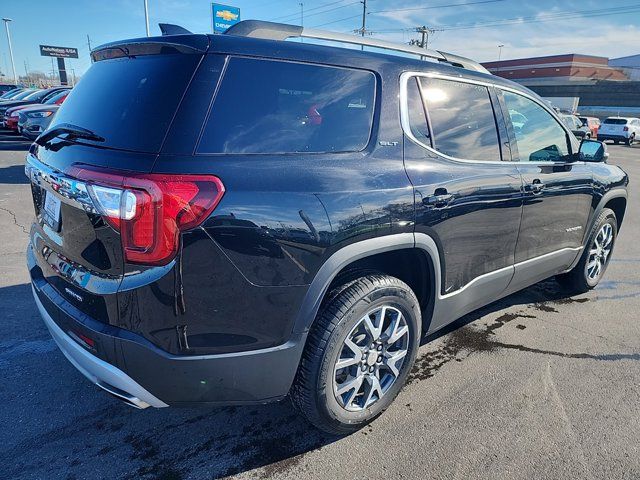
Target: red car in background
593	123
11	115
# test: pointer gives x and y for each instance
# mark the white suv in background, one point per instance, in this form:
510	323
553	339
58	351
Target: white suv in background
620	129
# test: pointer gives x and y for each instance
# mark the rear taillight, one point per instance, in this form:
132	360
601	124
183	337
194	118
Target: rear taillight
150	210
625	129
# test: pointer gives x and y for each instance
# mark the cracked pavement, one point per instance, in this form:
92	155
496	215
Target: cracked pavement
538	385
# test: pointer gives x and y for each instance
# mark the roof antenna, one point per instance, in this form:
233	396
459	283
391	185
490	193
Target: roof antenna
171	29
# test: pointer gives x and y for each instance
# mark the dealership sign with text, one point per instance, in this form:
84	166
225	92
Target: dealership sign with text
60	52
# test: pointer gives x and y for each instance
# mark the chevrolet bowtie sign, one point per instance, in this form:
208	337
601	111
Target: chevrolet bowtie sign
60	52
224	17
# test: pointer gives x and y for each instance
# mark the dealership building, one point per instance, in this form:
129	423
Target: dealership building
591	85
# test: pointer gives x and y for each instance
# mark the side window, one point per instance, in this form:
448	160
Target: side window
462	119
417	115
539	136
266	106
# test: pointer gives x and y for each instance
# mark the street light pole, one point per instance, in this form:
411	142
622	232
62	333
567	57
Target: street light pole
499	56
13	65
146	16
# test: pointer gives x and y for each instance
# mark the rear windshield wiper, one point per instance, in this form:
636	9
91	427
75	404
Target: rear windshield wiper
72	131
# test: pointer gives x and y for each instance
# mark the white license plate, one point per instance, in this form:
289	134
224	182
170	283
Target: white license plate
52	210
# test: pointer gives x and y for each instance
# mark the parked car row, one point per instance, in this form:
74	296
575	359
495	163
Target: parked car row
616	129
29	111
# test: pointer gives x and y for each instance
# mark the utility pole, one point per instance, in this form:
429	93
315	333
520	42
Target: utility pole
146	16
363	30
89	43
26	72
301	19
424	32
13	65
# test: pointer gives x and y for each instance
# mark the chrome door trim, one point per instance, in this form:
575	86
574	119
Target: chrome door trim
406	128
447	307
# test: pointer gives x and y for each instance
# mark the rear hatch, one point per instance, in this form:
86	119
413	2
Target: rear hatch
615	126
112	125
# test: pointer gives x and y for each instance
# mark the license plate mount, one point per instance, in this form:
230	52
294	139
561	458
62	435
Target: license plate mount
51	211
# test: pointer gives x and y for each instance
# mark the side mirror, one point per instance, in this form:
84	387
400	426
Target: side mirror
593	151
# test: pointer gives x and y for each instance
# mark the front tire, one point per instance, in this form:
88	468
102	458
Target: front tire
359	353
595	258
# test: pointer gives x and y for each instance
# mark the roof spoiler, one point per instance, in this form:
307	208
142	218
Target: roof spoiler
281	31
171	29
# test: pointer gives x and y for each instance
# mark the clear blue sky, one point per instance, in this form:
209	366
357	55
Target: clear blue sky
524	29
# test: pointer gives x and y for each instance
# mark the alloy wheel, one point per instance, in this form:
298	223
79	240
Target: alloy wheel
371	358
599	252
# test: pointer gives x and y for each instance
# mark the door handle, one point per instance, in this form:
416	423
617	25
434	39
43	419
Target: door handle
535	187
439	199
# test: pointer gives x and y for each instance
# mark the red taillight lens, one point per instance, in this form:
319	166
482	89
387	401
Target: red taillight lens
150	210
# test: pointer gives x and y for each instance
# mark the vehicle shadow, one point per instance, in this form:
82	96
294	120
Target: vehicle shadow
544	295
13	175
171	443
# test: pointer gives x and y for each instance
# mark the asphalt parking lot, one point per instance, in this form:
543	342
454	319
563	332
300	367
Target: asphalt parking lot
538	385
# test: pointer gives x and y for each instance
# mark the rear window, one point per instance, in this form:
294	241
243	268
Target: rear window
266	106
129	101
615	121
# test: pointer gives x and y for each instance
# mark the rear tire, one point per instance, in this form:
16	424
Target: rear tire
352	369
595	258
630	140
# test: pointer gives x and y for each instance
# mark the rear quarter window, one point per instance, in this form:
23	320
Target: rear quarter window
266	106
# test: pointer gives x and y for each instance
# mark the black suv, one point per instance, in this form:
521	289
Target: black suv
246	218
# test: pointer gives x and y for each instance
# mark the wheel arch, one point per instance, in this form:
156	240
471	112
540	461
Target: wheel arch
390	254
619	207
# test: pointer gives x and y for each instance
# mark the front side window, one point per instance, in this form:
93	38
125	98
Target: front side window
539	136
462	119
266	106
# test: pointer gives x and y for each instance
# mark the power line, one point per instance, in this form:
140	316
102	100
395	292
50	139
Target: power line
437	6
329	4
336	21
548	18
459	4
542	18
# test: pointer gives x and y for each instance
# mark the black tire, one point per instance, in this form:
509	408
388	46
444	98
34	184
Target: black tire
577	280
313	389
630	140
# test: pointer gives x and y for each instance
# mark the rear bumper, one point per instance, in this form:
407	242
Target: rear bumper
103	374
604	136
132	368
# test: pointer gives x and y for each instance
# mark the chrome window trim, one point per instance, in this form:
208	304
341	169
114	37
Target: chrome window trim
406	128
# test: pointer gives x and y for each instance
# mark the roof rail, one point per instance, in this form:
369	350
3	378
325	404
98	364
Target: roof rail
281	31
